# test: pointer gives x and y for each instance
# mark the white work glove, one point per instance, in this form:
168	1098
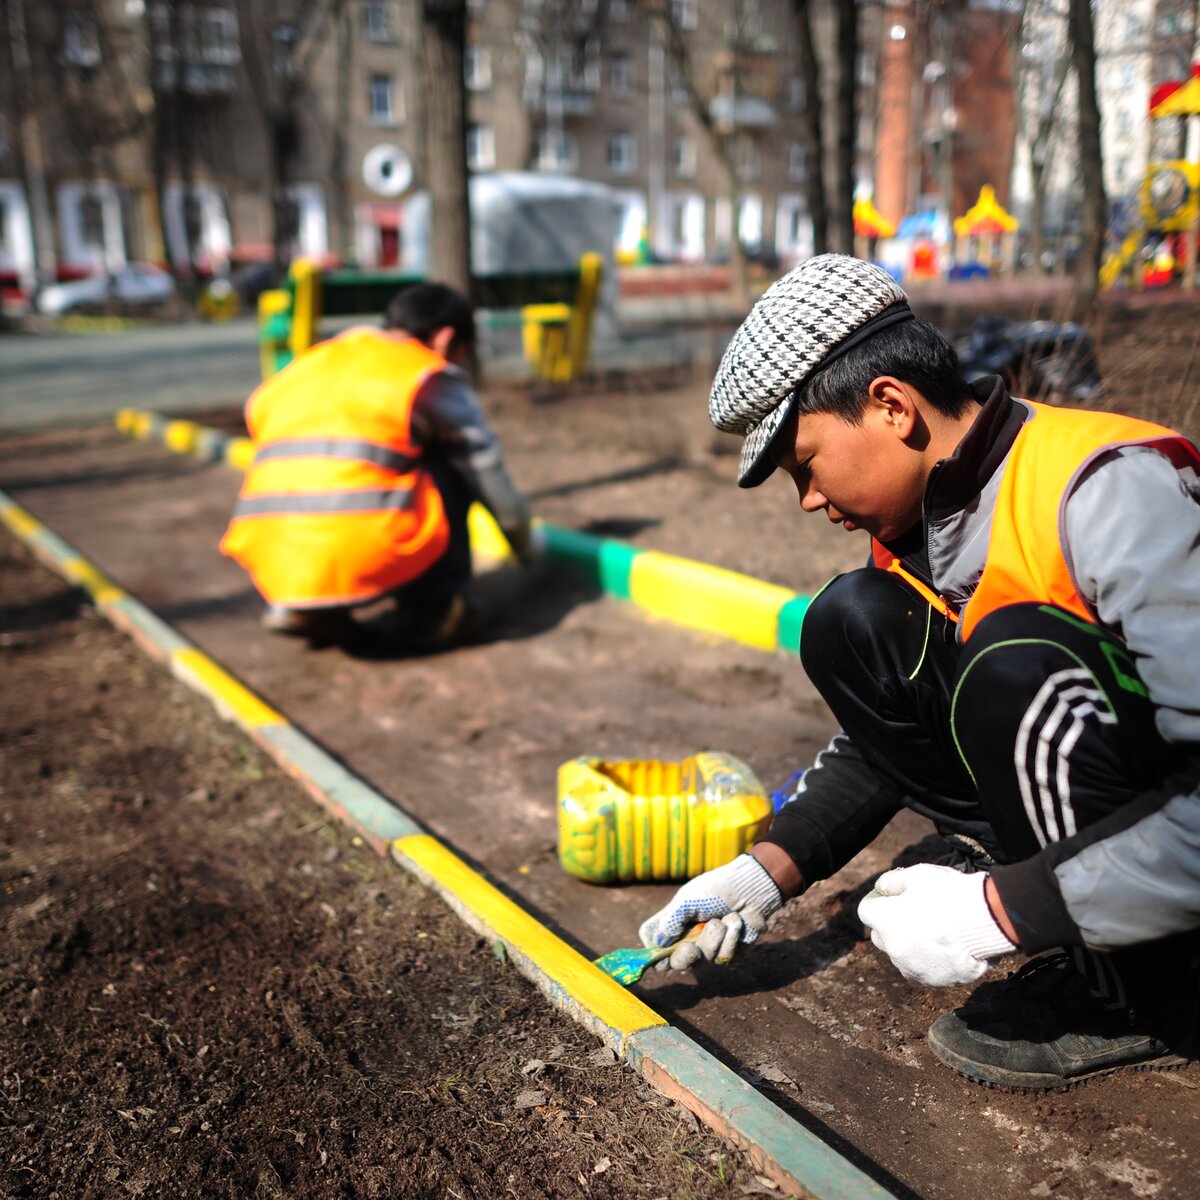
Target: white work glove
934	924
735	900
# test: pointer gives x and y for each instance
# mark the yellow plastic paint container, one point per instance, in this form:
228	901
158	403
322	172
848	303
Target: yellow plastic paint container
620	822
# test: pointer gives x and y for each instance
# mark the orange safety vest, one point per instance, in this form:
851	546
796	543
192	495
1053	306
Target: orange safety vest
1025	559
335	508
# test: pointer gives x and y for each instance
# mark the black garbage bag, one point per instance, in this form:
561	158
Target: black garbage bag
1037	359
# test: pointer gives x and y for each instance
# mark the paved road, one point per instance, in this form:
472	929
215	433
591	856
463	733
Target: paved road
55	378
69	378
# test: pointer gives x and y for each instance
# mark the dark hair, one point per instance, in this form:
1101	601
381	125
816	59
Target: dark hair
913	351
424	308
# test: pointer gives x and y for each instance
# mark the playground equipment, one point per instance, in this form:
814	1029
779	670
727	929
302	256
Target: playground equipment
985	236
536	272
1169	195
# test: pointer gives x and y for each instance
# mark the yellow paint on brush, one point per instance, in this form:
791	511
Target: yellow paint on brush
180	436
239	453
20	522
580	981
98	585
708	598
226	692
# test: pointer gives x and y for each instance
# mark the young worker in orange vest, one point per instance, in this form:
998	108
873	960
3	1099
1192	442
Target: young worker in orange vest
1019	662
369	449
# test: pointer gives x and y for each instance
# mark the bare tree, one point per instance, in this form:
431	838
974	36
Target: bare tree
1041	83
811	134
443	39
841	223
1094	216
280	40
717	111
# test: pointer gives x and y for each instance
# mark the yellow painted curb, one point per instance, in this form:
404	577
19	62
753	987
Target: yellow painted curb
578	983
231	698
93	580
20	522
712	599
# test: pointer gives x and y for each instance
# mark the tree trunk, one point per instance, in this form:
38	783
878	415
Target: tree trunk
1094	215
1037	183
810	127
346	248
841	226
443	30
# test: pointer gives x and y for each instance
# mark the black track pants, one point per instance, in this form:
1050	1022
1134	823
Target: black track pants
1034	730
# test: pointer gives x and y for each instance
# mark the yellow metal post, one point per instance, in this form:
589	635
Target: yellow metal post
274	350
579	330
306	306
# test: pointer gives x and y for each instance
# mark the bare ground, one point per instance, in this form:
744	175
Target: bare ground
207	989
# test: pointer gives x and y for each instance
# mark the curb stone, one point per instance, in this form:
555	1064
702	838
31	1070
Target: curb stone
668	1060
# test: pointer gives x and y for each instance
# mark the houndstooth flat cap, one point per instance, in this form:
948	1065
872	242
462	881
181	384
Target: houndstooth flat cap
802	321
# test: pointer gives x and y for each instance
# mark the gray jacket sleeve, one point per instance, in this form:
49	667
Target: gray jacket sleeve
1132	531
448	415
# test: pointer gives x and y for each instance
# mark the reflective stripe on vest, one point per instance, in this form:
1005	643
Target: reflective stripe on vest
363	500
1026	560
372	452
336	508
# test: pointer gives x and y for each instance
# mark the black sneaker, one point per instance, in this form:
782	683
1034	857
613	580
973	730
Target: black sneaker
1042	1030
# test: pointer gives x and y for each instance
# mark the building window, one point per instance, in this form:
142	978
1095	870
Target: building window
382	109
620	76
481	147
1124	123
683	157
555	151
622	154
797	93
677	88
1133	29
749	163
1121	170
618	10
1128	76
81	40
375	20
477	68
685	13
797	167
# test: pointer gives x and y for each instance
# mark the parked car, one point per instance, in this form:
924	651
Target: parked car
135	285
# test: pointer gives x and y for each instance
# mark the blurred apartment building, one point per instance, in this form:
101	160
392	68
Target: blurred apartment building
183	130
190	130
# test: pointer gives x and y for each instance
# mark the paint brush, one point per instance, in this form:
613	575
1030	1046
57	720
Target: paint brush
628	966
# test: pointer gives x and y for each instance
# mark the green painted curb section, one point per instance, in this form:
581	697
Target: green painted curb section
605	563
782	1148
152	633
669	1061
789	622
337	788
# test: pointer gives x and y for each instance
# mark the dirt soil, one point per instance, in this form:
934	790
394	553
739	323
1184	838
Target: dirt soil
469	742
207	989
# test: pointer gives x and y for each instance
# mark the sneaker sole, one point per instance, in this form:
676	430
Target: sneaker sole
1030	1081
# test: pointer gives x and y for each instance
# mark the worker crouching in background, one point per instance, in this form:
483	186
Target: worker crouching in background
1018	663
369	449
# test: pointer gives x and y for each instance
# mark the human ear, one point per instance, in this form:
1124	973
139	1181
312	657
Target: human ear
895	404
442	341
